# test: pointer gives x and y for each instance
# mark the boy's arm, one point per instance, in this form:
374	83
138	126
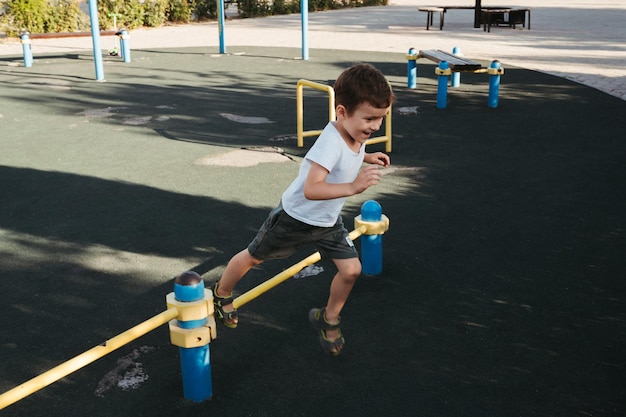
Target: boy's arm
316	187
377	158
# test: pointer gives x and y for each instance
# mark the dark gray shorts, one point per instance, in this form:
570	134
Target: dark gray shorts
281	235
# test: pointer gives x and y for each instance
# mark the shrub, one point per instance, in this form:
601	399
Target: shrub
206	9
181	11
65	16
27	15
130	14
155	12
41	16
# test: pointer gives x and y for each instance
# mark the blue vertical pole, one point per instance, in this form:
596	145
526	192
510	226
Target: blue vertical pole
125	45
371	245
442	86
220	24
95	37
196	361
494	83
304	16
27	49
411	69
456	76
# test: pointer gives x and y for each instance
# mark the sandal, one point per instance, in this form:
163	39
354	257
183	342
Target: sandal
317	317
228	318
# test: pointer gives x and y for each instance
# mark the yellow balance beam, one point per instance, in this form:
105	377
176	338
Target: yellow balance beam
84	359
287	273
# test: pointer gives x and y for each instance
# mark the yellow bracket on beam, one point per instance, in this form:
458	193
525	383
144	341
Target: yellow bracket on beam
372	228
190	338
189	311
192	310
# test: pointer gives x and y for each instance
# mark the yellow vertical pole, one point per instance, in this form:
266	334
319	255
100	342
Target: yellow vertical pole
300	107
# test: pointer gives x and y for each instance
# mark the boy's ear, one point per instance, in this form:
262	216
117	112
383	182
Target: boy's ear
341	111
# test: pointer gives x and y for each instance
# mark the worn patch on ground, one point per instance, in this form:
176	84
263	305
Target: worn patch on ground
245	157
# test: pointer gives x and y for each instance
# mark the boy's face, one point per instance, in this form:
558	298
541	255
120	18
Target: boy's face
363	121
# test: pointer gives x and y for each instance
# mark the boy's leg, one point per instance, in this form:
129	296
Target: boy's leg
348	270
237	267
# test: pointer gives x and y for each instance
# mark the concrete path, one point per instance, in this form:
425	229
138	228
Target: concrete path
574	39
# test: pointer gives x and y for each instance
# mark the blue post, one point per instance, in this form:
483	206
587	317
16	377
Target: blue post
125	45
195	361
411	68
95	37
371	245
304	16
443	71
494	71
27	49
456	76
220	25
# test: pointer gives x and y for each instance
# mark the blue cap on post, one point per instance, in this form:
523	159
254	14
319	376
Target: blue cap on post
189	286
371	211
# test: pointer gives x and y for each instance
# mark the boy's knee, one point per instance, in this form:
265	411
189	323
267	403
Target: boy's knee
352	271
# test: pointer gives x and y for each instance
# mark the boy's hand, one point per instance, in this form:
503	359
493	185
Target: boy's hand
368	177
377	158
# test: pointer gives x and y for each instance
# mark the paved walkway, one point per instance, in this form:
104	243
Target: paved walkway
574	39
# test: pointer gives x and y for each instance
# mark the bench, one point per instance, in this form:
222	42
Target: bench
429	15
449	68
456	63
497	16
507	16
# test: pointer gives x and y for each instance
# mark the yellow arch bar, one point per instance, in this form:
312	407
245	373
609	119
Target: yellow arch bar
331	115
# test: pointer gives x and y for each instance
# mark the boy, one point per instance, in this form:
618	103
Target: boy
310	208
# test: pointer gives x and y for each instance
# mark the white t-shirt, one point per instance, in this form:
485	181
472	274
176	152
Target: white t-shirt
343	165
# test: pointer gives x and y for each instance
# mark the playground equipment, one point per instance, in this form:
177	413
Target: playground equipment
494	71
190	316
26	39
448	67
304	21
192	332
115	51
386	138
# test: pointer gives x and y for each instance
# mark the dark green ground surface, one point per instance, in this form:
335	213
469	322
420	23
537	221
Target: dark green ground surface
503	288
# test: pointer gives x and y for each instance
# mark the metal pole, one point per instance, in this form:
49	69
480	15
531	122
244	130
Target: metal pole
494	71
477	13
456	76
95	36
411	68
443	72
220	24
304	16
372	245
27	50
76	363
125	45
195	361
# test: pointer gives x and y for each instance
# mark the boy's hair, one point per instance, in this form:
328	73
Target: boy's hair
363	83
